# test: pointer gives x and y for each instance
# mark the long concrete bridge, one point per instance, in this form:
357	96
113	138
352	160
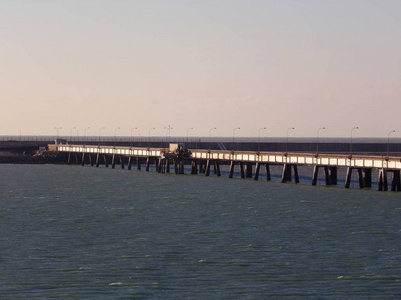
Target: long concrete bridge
248	162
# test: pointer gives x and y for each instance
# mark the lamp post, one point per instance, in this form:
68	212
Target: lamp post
263	128
168	128
350	148
191	128
131	133
115	135
99	132
71	132
85	134
210	135
233	137
58	130
317	139
149	135
388	141
286	140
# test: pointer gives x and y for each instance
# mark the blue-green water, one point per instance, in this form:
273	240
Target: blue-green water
96	233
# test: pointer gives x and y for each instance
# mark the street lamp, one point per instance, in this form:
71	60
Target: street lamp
191	128
263	128
131	133
351	138
71	132
58	130
210	135
233	137
115	135
286	140
85	134
168	128
388	141
149	135
99	133
317	139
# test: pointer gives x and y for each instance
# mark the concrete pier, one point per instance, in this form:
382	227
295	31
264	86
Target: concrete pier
249	163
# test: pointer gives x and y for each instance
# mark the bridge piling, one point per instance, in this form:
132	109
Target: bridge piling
333	175
138	164
257	167
248	170
396	183
267	169
217	168
194	167
241	167
286	175
367	177
383	185
231	171
207	170
129	163
113	161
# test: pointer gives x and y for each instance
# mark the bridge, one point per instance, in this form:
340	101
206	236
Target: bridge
248	162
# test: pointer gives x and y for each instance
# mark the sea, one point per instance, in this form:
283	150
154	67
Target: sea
72	232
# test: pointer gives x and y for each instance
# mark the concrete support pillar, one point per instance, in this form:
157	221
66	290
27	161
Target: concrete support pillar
286	176
201	167
383	186
241	167
129	163
296	176
217	168
69	158
315	174
207	170
257	167
327	175
122	161
231	172
333	175
395	183
97	160
248	170
147	164
161	166
106	163
348	178
194	167
156	162
113	161
90	159
268	176
167	165
360	178
182	167
138	163
367	177
83	159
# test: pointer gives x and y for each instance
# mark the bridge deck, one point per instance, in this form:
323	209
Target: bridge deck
354	161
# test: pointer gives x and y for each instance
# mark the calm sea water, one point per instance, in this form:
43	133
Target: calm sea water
80	232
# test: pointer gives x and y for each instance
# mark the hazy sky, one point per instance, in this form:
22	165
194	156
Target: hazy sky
201	64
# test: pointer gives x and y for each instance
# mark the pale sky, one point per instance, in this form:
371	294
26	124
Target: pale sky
202	64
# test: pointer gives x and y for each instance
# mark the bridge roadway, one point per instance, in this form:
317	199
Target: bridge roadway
204	159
